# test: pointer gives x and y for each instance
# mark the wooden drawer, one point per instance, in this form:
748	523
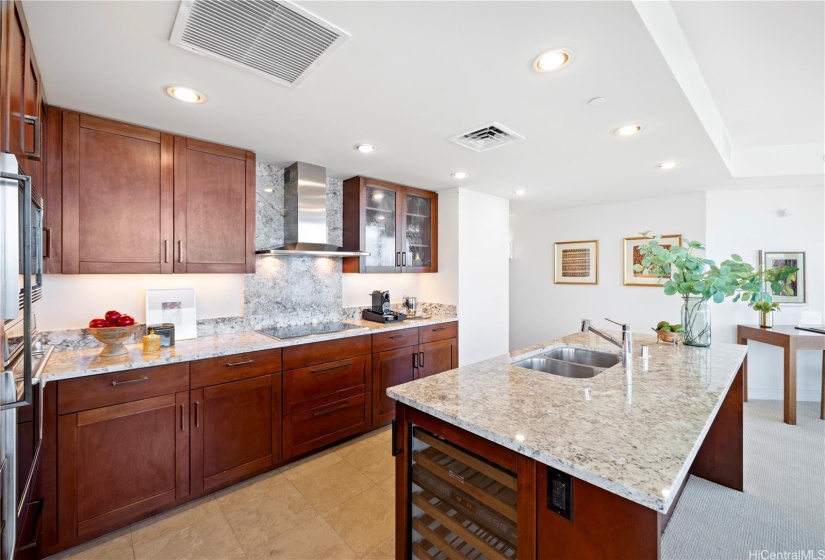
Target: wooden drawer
394	339
234	367
438	332
95	391
314	428
304	355
324	383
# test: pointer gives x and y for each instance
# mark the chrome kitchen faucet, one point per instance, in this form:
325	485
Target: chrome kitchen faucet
626	343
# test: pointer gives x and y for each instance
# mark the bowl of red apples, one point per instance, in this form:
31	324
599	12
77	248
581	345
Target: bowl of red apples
113	331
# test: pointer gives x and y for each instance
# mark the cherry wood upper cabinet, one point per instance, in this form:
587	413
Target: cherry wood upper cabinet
396	225
117	197
214	208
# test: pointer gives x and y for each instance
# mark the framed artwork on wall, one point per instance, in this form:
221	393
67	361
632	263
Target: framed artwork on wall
631	256
576	262
175	306
776	259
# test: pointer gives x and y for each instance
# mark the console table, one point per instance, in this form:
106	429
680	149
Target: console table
790	340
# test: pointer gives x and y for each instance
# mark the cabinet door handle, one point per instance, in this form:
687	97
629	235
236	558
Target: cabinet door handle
398	259
38	133
395	450
330	368
396	336
329	410
182	424
421	359
47	242
404	258
166	250
415	360
139	380
197	414
233	364
180	251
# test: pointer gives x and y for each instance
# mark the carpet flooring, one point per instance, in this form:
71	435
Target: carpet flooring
782	510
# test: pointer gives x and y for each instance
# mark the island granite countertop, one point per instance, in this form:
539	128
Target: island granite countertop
632	431
81	363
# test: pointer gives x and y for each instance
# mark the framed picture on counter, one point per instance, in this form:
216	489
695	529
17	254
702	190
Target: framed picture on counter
173	306
576	262
632	256
777	259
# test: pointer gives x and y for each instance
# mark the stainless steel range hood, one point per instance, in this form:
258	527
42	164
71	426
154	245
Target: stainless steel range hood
305	215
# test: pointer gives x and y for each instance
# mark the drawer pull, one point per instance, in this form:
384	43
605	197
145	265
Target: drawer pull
139	380
197	414
415	360
421	359
397	336
243	363
330	410
441	329
330	368
182	425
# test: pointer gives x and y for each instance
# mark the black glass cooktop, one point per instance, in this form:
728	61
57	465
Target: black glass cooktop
296	331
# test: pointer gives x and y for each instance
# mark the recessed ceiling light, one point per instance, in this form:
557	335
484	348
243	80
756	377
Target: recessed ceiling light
460	175
365	148
520	192
186	94
267	190
552	60
597	101
668	164
629	129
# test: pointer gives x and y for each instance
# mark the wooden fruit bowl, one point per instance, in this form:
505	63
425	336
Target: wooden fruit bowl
113	339
668	336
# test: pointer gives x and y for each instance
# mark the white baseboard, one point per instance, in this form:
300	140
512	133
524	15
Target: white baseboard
773	394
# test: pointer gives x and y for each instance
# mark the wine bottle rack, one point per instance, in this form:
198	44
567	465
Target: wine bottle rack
464	507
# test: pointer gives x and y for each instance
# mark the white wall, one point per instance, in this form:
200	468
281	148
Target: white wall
483	276
745	221
70	301
541	310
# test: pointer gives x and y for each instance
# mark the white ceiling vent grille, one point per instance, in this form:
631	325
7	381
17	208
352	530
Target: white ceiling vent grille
487	137
277	40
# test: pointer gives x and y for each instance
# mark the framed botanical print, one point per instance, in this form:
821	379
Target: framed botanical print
796	287
632	256
576	262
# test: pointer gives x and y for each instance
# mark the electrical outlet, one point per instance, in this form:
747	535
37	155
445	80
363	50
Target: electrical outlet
560	493
810	318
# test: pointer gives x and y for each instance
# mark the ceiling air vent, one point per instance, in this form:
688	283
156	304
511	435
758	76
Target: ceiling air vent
277	40
487	137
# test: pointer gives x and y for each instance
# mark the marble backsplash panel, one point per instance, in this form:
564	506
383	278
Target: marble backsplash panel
284	290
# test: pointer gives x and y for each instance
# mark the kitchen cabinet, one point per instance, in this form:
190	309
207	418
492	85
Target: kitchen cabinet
132	200
397	225
327	393
214	208
405	355
120	459
20	92
236	418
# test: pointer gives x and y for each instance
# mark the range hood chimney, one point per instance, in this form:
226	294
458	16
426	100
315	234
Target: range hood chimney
305	215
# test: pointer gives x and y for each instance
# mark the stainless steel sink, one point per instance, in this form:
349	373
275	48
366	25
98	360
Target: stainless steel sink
558	367
584	357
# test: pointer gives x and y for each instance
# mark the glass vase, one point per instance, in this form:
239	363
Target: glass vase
696	322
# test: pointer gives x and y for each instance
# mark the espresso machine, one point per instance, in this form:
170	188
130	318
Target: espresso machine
381	311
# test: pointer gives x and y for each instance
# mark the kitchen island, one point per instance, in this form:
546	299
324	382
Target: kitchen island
513	462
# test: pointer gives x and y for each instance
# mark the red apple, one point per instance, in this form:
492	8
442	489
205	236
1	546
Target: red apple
125	321
112	316
98	324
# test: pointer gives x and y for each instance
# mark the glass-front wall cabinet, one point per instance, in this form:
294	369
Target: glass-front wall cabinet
381	225
396	225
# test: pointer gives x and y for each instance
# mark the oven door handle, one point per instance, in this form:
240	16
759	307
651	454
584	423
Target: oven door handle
27	291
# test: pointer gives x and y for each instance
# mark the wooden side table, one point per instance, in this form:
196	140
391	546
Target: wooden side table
790	340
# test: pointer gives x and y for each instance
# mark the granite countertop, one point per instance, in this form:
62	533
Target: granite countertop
80	363
633	432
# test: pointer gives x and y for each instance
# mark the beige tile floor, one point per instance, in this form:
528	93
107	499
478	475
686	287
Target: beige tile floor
337	505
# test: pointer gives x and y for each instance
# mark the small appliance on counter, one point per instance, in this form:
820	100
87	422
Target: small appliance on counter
166	332
381	311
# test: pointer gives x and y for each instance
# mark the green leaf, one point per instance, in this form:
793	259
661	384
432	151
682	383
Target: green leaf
736	257
637	268
670	290
776	287
718	297
736	297
700	286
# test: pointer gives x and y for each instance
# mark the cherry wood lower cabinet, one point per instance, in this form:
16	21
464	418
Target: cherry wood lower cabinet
235	431
389	369
436	357
119	463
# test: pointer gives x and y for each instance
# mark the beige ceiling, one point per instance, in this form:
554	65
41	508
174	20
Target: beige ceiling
412	75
